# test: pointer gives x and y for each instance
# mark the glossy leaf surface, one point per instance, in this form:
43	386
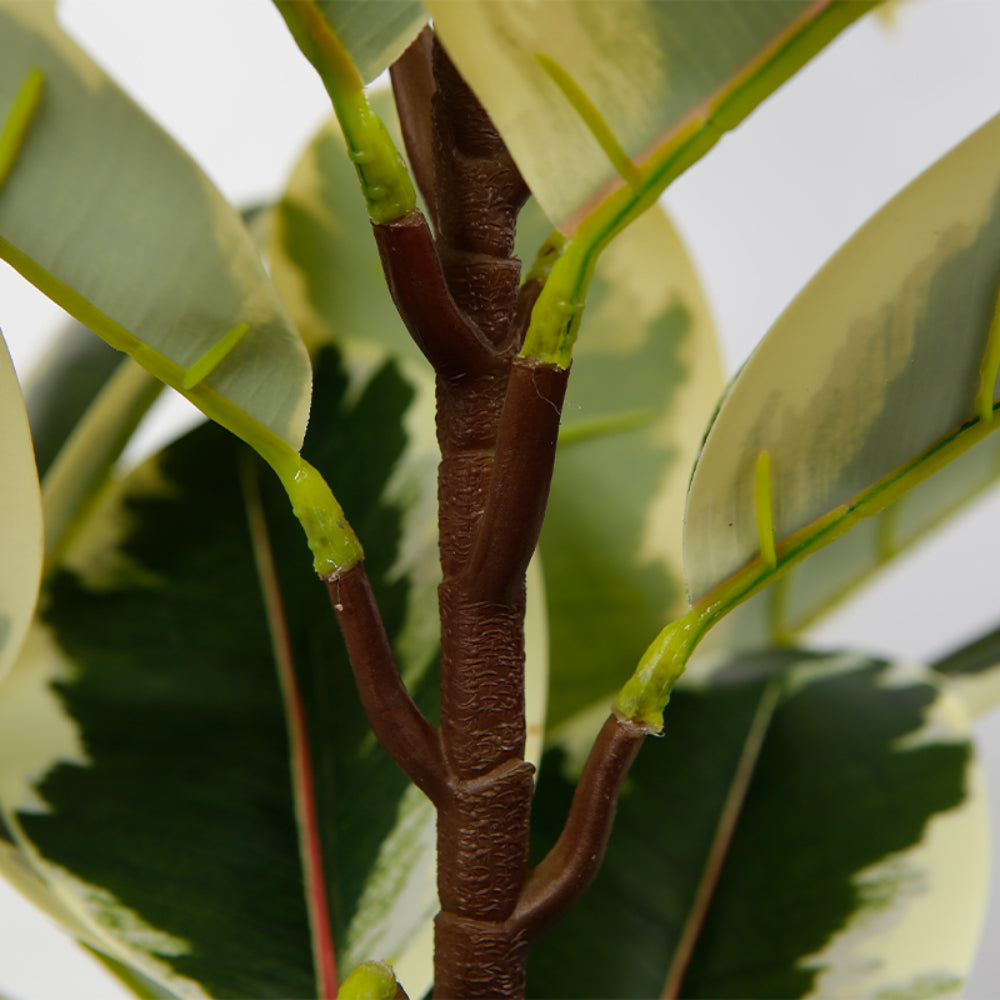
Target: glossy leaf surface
813	588
374	32
137	244
585	94
807	826
875	362
145	770
20	517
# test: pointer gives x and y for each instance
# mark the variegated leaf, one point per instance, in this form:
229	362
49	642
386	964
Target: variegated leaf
137	244
145	758
20	517
870	381
807	827
374	32
588	94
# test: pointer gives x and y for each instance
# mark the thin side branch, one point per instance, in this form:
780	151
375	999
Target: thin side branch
449	340
567	870
394	717
522	473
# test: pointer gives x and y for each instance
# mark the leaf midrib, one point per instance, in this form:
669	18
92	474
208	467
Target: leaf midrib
725	830
303	784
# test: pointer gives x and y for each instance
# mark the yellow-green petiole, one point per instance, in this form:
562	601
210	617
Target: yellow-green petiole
645	695
384	178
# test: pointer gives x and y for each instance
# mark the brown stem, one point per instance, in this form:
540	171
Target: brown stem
413	87
450	342
559	880
479	192
486	961
394	717
522	473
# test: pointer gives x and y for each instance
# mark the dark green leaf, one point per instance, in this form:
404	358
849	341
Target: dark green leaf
157	800
855	859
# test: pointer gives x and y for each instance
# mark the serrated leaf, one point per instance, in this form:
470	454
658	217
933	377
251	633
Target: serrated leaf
20	517
808	826
137	245
646	375
868	381
586	94
374	32
144	756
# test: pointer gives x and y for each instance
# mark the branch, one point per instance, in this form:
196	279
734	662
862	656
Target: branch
478	195
567	870
522	473
413	87
394	717
449	340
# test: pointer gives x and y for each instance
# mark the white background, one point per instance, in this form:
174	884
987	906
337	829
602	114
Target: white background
761	213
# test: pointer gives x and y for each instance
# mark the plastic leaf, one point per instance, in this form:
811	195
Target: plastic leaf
102	211
807	827
374	32
780	613
973	672
20	517
324	261
144	751
587	94
869	381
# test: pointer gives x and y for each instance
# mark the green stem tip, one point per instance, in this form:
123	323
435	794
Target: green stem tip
331	539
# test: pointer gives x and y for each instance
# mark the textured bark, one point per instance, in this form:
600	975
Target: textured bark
483	831
497	427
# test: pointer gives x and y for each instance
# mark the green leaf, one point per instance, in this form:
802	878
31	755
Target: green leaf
645	379
59	389
592	96
971	672
808	826
810	590
374	32
20	517
137	245
84	463
868	382
144	743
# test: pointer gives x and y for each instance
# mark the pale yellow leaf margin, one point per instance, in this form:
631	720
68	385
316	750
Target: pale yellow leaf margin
20	517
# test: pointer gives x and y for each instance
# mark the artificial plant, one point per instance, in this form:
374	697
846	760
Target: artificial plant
187	778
